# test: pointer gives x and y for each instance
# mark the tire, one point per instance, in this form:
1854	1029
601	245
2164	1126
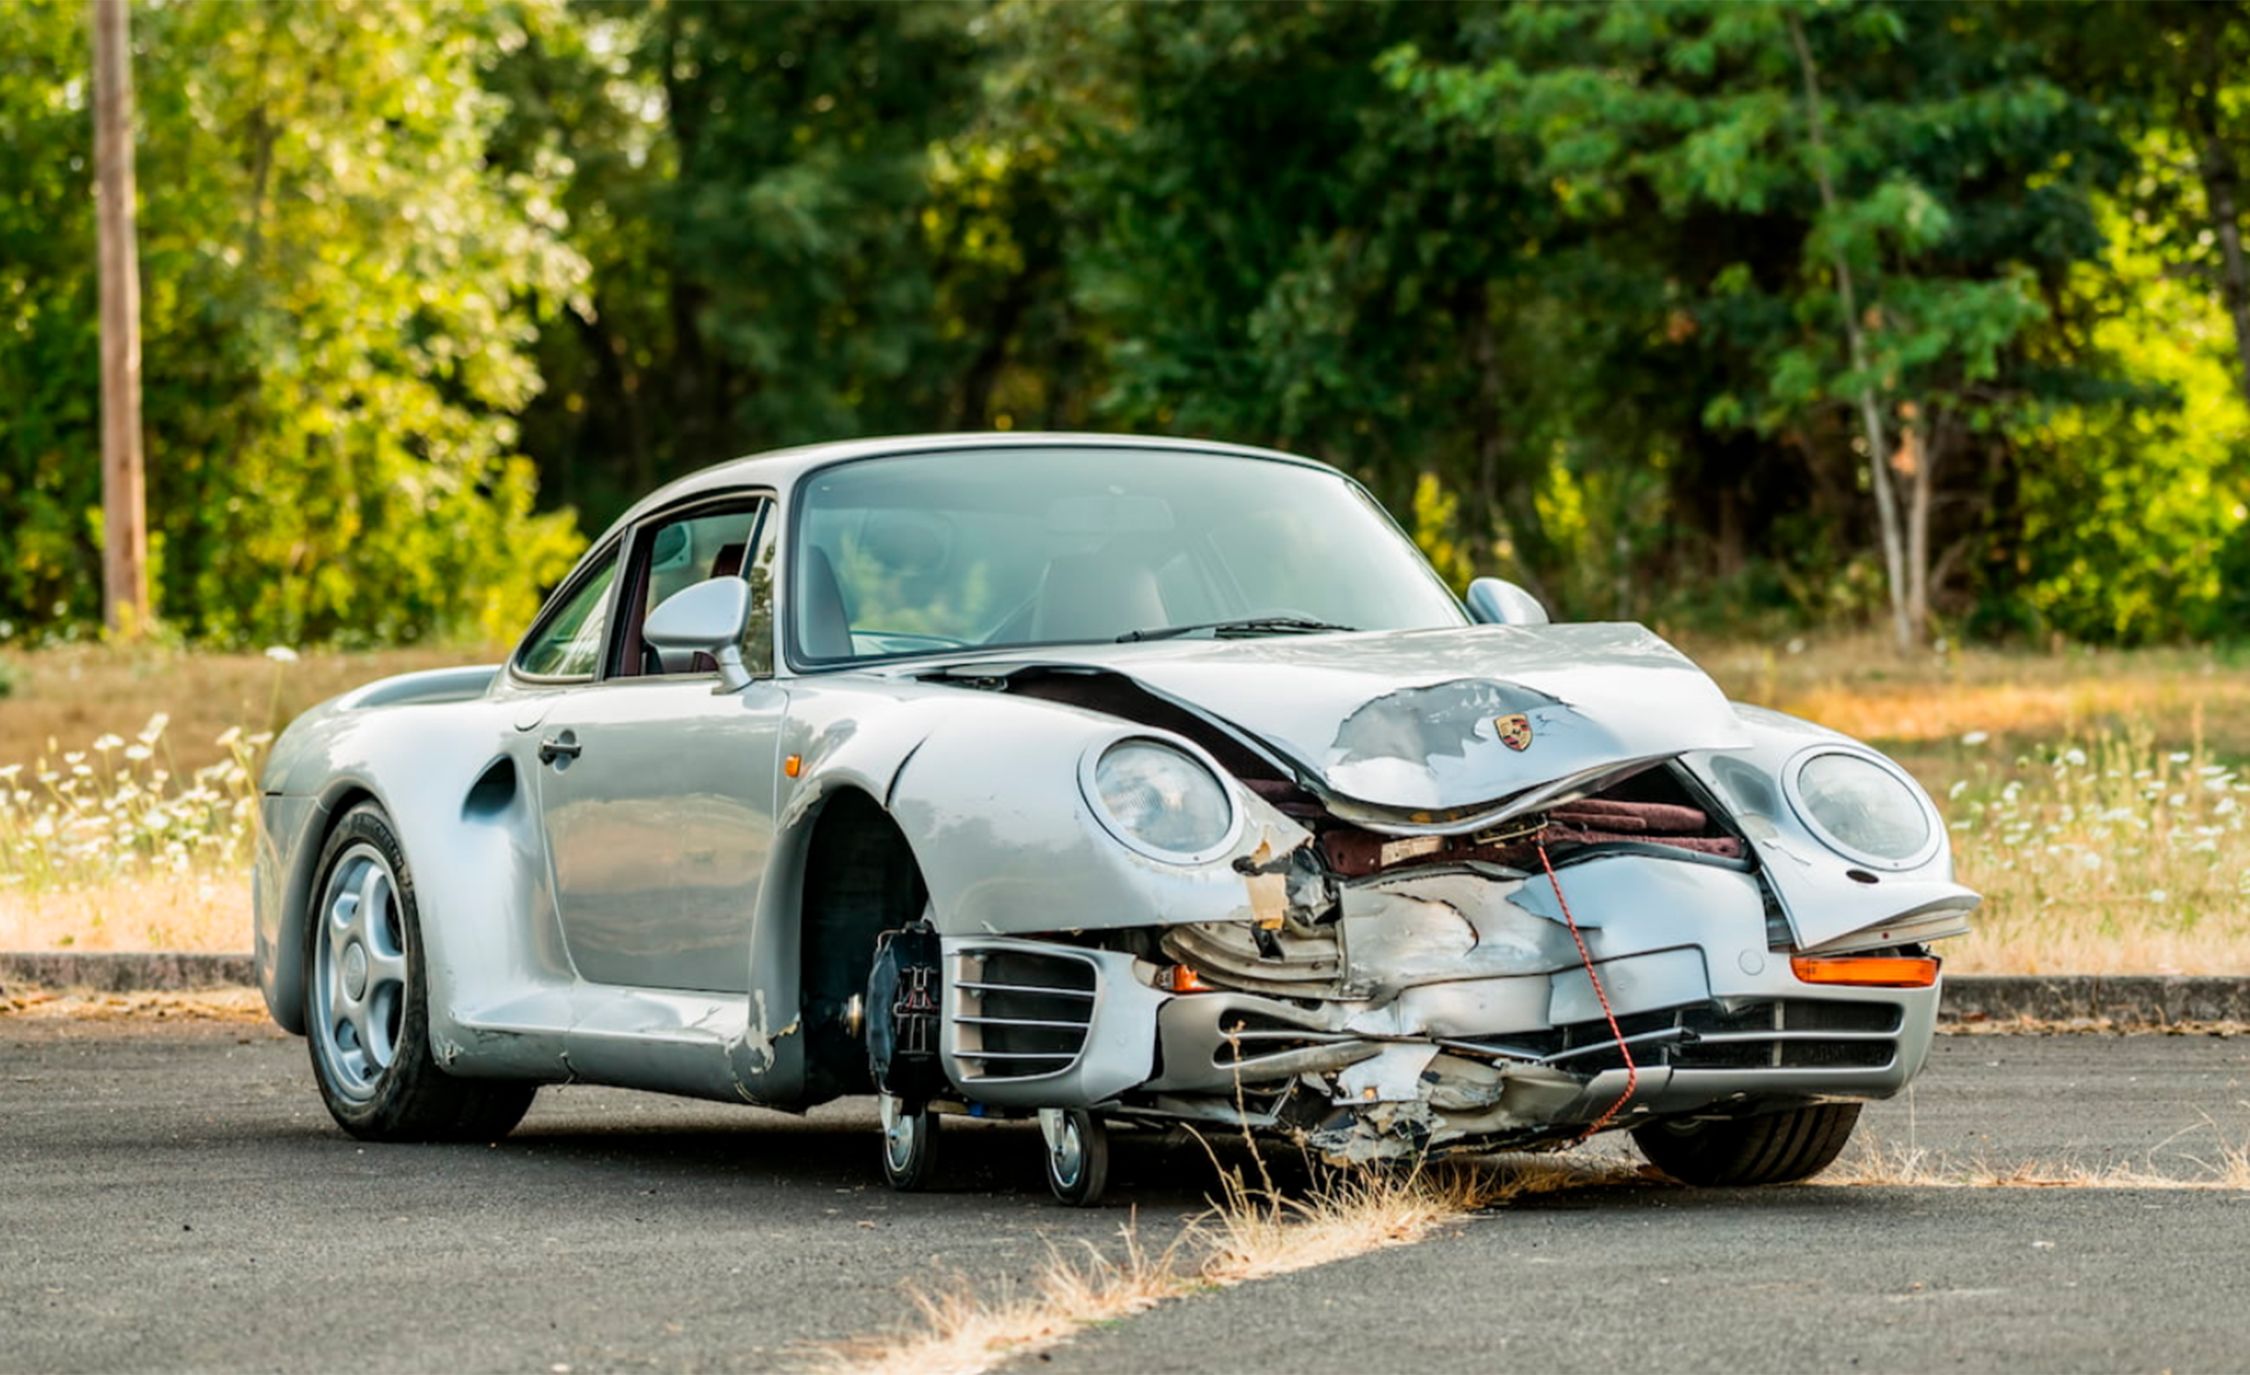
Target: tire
910	1142
367	1018
1077	1155
1772	1148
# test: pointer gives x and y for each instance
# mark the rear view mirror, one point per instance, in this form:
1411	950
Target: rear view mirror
1496	601
707	619
1110	514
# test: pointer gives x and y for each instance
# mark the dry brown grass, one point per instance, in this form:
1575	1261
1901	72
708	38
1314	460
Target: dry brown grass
242	1006
2097	798
205	910
2108	853
66	696
1251	1232
2090	1026
2222	1165
1255	1232
1859	685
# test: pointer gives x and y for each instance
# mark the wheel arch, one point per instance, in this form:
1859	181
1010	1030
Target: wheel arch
299	868
859	876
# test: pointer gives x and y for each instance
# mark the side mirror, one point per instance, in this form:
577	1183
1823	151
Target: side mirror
1496	601
707	618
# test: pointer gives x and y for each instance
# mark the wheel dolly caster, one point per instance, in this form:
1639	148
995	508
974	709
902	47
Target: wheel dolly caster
909	1145
1077	1155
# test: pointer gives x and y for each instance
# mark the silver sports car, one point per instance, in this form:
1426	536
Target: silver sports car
1107	781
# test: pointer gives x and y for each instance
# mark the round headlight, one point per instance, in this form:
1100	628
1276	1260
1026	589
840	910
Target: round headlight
1162	801
1863	809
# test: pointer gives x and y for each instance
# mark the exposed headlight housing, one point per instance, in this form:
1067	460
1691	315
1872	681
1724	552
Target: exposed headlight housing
1864	808
1161	800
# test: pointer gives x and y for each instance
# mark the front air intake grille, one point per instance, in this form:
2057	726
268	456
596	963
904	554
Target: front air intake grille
1252	1037
1020	1014
1790	1033
1793	1033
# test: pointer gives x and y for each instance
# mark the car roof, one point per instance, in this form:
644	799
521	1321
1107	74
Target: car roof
781	468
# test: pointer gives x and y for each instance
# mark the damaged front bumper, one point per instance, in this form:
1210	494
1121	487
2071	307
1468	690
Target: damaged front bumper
1444	1009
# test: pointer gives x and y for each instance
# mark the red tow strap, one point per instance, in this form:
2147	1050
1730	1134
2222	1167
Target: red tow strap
1632	1071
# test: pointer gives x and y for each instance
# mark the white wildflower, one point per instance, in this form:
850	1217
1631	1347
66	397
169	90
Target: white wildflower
137	752
2075	757
281	654
155	727
2158	896
2179	756
106	743
1975	737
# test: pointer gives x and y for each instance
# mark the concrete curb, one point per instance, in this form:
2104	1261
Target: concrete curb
2129	1000
126	971
2125	999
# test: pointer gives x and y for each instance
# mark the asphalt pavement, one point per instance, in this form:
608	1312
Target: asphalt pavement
176	1198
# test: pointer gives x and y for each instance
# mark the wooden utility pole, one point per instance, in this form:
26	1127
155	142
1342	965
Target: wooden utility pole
124	489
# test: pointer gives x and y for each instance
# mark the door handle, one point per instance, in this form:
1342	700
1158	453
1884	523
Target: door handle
563	746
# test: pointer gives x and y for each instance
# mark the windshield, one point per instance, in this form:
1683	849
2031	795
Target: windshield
932	553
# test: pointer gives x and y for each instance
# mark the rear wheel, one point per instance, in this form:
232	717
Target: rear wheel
1772	1148
367	1002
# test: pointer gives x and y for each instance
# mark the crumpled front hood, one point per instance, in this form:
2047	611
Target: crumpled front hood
1442	720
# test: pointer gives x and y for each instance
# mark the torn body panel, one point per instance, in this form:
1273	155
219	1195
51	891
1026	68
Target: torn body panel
1447	1007
1422	730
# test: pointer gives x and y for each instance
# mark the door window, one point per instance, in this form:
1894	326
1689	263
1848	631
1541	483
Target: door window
677	554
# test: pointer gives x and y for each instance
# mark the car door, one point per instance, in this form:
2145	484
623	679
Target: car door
656	786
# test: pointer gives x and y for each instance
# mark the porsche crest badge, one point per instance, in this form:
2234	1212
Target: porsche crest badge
1515	731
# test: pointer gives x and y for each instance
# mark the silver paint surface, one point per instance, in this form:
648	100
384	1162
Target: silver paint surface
634	917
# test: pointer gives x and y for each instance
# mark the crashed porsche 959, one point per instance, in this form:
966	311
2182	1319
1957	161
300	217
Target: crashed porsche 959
1104	781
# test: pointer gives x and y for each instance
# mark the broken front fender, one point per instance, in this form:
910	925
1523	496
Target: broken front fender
1832	902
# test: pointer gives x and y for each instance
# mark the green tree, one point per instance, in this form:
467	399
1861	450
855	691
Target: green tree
335	331
1917	185
787	242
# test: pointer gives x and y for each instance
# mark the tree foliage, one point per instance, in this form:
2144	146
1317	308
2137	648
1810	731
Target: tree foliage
337	333
1647	305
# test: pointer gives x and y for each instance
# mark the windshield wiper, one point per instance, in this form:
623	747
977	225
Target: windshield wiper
1252	625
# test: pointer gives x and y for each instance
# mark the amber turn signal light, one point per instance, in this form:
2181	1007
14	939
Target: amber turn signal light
1867	971
1182	979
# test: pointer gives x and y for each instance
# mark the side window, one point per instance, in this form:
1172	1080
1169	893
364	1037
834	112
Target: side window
671	557
569	644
